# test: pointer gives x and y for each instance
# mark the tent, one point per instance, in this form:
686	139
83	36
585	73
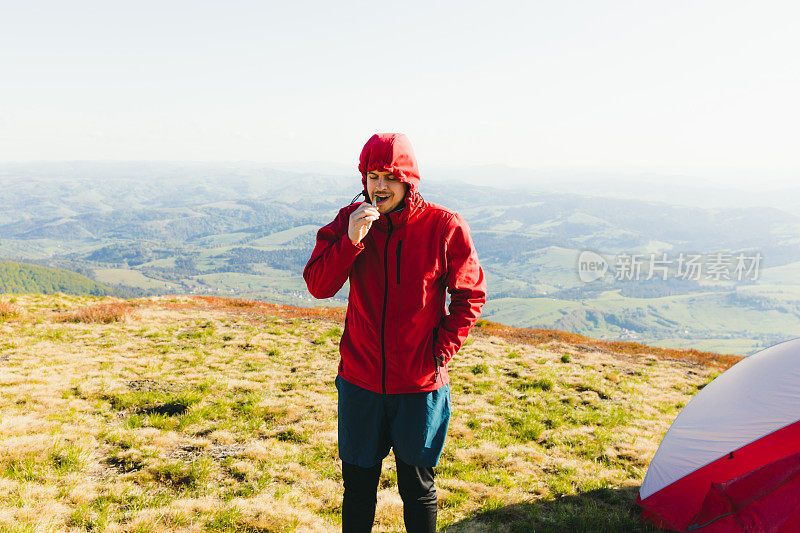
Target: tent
731	459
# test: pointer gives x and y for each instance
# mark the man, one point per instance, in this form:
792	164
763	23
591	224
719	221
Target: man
400	254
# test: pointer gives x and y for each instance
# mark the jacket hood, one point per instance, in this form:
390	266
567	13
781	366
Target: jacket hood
391	152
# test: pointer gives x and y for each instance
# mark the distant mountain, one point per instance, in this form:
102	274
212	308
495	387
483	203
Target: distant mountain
665	187
21	278
246	230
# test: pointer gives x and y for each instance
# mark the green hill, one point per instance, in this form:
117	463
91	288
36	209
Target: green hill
17	278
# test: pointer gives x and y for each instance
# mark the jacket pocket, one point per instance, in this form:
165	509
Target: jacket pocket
397	255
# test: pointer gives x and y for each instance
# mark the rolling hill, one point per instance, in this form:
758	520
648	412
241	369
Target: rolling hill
22	278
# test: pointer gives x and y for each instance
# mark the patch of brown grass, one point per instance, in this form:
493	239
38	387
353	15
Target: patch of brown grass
216	301
279	310
543	336
8	310
99	314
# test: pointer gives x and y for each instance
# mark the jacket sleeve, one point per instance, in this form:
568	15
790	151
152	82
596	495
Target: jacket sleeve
333	255
466	285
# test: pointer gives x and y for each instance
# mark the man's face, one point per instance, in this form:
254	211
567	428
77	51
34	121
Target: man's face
386	188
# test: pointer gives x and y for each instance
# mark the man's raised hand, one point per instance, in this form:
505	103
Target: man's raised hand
361	220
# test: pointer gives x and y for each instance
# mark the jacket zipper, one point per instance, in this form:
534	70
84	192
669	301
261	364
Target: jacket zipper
433	354
399	246
385	298
341	359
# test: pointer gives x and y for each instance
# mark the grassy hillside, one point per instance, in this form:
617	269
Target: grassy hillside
204	414
23	278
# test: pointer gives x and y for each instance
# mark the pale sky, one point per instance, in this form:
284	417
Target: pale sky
706	88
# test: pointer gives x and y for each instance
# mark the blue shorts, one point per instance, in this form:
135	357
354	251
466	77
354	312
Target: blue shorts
414	424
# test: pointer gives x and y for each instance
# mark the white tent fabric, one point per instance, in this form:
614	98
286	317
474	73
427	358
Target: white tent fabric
755	397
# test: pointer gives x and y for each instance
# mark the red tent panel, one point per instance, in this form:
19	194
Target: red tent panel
674	506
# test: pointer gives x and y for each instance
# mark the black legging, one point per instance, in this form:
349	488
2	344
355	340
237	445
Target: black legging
416	487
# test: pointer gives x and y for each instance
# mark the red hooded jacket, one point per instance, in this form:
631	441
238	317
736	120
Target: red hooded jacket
396	322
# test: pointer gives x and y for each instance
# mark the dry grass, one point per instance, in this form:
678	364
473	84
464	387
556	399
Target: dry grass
545	336
204	414
8	310
104	313
285	311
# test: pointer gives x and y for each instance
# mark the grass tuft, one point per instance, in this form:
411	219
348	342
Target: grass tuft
182	475
66	458
480	368
8	310
99	314
542	384
291	435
